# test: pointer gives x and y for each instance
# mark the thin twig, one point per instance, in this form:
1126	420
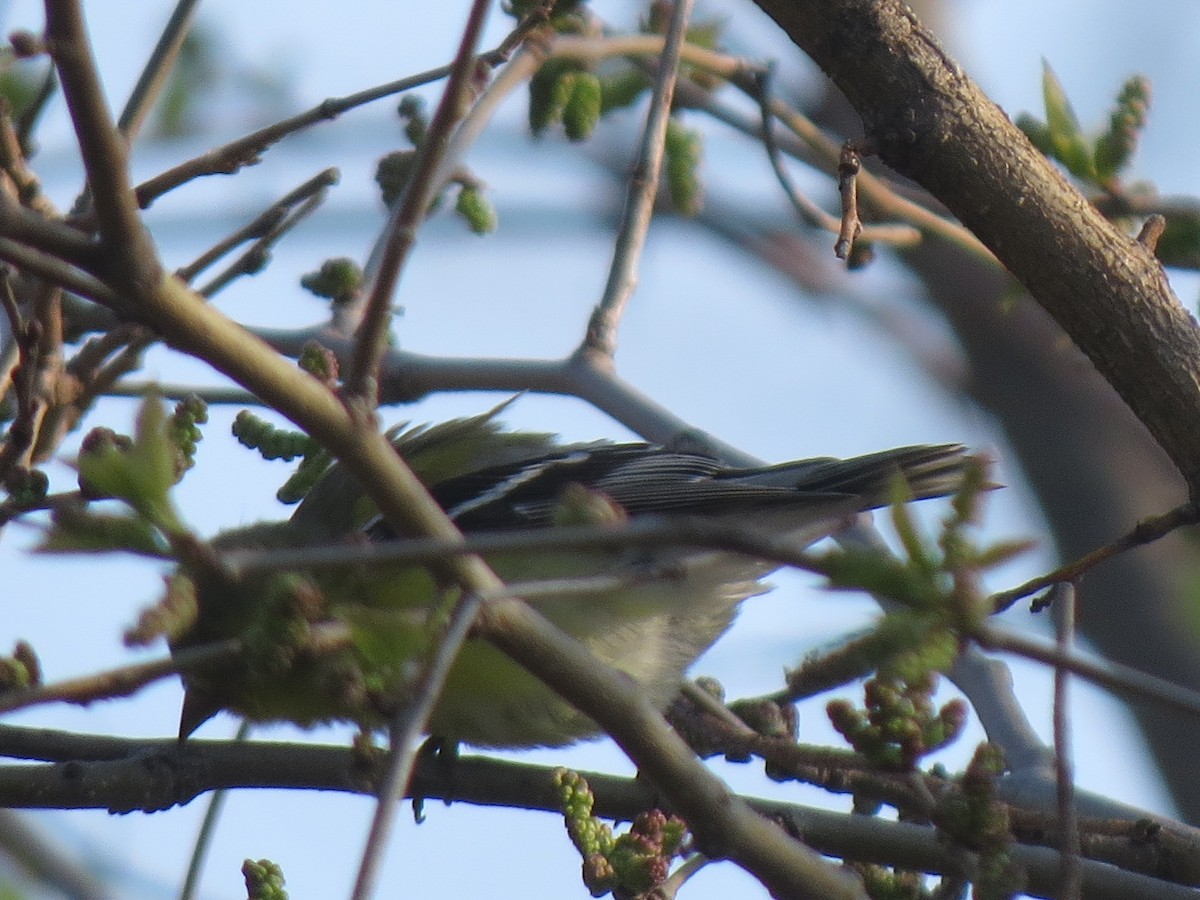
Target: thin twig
258	254
28	118
405	729
1064	768
28	188
849	165
1145	532
261	224
224	396
244	151
52	237
644	532
116	771
208	827
158	67
601	334
409	211
669	889
875	191
121	681
55	271
808	211
1112	676
266	230
131	260
21	431
1152	230
10	510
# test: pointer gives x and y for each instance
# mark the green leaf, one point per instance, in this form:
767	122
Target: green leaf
1116	146
76	530
140	472
581	112
1071	147
476	210
684	150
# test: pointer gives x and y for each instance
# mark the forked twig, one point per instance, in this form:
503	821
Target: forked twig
601	334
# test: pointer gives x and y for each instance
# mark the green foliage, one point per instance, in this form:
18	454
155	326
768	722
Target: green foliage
549	90
1067	142
140	472
183	430
581	112
884	883
392	174
622	88
339	279
684	150
395	169
970	816
312	466
283	443
20	82
416	121
564	16
898	724
476	210
264	880
170	617
630	865
1116	146
26	487
20	670
934	586
320	362
270	441
75	529
1095	161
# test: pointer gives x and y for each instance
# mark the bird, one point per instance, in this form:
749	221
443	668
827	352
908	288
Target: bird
657	611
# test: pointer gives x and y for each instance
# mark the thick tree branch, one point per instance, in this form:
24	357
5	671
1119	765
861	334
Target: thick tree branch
101	772
929	121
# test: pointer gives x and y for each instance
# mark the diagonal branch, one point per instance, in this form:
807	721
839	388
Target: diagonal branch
929	121
133	263
410	211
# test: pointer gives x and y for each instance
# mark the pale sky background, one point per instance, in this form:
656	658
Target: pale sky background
805	379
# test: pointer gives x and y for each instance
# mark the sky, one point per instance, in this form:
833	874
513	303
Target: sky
779	378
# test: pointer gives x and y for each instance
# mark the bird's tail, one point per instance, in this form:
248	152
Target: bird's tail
928	470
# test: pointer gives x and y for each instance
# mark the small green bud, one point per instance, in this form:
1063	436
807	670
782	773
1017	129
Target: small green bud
392	174
26	487
339	279
477	212
1116	146
416	123
184	431
683	153
549	90
320	362
264	880
581	112
20	670
269	441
